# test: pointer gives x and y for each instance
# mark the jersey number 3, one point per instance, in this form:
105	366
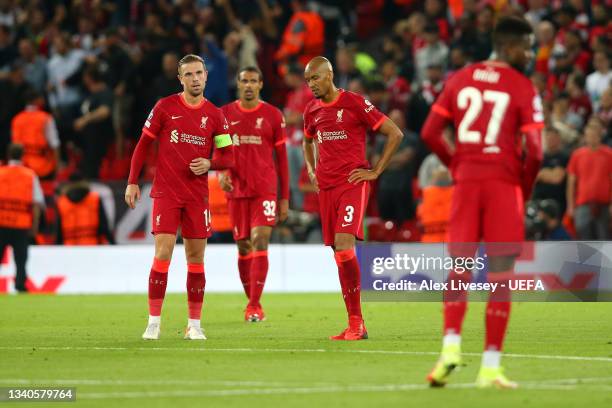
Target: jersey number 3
471	99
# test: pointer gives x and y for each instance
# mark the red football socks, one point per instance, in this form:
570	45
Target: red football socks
350	281
195	289
158	279
498	311
258	274
244	267
455	303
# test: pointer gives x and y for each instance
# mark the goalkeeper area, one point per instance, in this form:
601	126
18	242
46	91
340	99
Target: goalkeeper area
560	353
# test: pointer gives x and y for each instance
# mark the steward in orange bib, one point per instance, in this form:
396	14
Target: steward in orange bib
35	129
81	216
304	37
21	202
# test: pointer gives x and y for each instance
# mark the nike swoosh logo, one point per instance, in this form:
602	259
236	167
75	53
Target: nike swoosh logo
346	225
317	119
176	117
270	219
235	123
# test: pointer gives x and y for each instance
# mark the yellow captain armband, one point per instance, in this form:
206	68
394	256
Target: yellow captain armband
222	141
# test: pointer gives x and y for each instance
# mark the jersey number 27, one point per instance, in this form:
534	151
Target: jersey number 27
472	99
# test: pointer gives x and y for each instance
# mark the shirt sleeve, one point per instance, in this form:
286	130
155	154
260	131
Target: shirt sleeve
443	106
530	110
154	121
221	134
309	129
368	113
51	133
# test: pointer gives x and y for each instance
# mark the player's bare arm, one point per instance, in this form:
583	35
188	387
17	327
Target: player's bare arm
199	166
132	195
225	181
394	137
309	159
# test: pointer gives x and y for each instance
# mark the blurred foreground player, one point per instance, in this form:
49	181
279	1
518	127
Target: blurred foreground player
188	128
497	115
258	131
337	120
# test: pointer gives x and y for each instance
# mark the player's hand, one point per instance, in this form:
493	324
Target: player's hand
132	195
199	166
314	181
570	211
359	175
225	182
283	209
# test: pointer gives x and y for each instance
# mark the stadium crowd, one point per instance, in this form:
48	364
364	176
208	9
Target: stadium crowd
77	78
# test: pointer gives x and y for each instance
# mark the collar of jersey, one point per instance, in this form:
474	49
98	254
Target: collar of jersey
184	102
248	110
340	92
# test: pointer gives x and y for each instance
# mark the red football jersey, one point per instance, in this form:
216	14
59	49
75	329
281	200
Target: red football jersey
490	104
340	128
184	132
255	133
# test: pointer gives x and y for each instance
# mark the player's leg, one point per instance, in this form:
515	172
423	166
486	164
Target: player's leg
20	243
196	229
158	279
238	210
166	215
260	238
245	259
464	233
196	283
352	202
503	233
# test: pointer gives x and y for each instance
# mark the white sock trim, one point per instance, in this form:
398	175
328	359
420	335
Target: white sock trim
491	359
154	319
193	322
451	339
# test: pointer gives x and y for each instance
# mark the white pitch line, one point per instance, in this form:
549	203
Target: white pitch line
274	350
93	382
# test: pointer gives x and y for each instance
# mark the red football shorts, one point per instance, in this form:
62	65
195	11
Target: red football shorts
192	216
490	211
247	213
342	210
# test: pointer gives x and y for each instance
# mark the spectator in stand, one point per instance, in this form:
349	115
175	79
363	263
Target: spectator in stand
95	126
545	35
63	75
600	80
564	18
298	97
394	199
425	96
166	83
435	10
537	11
217	87
8	52
35	130
565	121
434	52
397	86
551	180
579	57
604	114
34	65
458	59
345	67
589	185
580	104
549	214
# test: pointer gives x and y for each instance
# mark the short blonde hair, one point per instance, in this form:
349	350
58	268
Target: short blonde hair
188	59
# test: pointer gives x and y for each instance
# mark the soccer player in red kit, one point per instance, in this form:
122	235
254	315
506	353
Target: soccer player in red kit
188	128
337	120
497	116
258	132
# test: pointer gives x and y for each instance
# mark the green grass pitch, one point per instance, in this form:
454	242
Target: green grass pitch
561	354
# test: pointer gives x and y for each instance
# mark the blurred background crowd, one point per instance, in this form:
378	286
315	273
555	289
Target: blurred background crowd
78	78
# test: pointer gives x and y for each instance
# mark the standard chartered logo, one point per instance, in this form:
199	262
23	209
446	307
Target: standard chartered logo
331	136
174	136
